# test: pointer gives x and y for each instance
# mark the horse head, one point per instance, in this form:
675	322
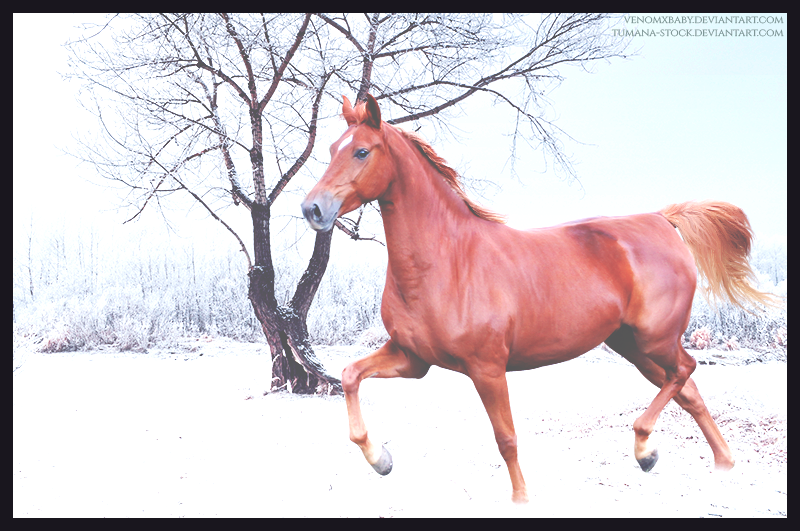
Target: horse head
360	169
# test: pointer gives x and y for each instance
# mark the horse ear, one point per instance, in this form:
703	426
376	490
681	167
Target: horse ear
373	113
347	111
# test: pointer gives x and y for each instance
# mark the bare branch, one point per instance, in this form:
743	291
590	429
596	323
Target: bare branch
369	60
251	80
312	136
353	233
236	188
279	73
202	64
211	212
345	32
165	175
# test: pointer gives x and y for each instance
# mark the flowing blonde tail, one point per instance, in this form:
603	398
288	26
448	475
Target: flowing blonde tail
719	236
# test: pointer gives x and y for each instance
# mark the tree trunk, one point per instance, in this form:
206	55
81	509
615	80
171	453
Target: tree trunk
295	368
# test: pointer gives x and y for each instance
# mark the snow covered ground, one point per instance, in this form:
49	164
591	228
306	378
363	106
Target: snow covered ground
188	432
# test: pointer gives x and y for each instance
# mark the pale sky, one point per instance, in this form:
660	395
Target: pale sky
688	118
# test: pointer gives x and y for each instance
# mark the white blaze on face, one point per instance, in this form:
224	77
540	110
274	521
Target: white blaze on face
345	142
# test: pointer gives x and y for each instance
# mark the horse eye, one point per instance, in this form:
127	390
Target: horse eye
361	154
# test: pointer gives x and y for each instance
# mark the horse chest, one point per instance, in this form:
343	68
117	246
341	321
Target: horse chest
442	335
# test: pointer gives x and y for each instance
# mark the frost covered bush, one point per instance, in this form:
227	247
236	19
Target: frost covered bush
732	343
766	327
59	339
779	337
131	295
348	302
700	338
135	295
373	337
752	330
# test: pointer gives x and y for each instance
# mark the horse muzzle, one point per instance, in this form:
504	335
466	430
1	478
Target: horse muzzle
321	211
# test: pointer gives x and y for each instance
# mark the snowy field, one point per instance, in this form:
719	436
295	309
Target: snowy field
188	432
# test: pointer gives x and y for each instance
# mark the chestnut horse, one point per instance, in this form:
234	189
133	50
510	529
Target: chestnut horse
470	294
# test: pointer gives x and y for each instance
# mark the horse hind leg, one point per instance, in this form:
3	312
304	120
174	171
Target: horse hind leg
688	397
386	362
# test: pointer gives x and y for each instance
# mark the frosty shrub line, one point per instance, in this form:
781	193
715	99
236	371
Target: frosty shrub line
87	293
134	295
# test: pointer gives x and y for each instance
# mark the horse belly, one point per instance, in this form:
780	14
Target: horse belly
553	338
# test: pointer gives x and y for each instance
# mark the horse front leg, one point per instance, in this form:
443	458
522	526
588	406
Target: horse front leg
389	361
493	390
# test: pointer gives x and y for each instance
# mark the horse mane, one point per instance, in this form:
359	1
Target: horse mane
358	114
451	177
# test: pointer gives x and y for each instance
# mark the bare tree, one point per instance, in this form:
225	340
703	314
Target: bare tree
24	269
179	97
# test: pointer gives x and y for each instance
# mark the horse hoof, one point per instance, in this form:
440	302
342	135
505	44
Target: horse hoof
520	498
384	464
649	461
723	467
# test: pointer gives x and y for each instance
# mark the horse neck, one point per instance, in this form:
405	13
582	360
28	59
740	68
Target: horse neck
420	210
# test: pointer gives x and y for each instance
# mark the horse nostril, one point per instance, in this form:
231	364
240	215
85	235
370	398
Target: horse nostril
316	213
